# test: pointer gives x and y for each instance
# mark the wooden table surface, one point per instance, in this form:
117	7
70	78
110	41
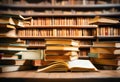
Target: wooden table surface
33	76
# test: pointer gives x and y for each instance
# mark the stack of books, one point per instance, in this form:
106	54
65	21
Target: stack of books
10	45
61	50
62	55
104	55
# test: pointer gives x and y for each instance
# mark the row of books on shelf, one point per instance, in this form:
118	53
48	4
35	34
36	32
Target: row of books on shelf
61	2
21	21
108	31
59	21
57	32
72	21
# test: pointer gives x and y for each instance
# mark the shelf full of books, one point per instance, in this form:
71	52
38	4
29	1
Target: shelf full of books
62	7
14	55
81	20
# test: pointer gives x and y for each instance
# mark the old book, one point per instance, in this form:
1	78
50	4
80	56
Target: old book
15	62
75	65
60	47
117	51
103	61
106	50
11	68
32	54
12	47
101	55
58	52
103	20
60	58
62	42
13	19
104	44
117	44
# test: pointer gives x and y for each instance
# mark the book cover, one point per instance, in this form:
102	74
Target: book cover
75	65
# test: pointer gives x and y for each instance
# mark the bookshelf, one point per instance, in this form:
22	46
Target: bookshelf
63	19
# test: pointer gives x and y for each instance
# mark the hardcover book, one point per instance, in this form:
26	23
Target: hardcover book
60	58
60	47
62	42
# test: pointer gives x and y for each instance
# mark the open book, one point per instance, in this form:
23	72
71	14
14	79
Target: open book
75	65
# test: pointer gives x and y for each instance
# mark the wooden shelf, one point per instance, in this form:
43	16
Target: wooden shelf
71	15
59	26
32	76
8	37
34	6
108	37
65	37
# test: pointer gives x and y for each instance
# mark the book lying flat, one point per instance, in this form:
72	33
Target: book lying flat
60	58
75	65
101	61
10	46
101	55
60	47
104	44
55	52
103	20
105	50
62	42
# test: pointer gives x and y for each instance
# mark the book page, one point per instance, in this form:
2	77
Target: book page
81	64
